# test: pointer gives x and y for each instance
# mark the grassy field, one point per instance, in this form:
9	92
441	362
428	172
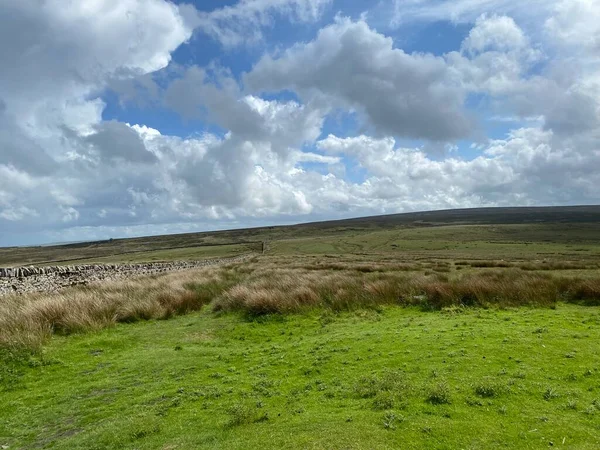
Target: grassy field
392	378
452	242
175	254
359	334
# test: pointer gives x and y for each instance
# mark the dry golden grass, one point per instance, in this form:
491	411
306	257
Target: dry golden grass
29	320
532	265
283	285
276	287
289	290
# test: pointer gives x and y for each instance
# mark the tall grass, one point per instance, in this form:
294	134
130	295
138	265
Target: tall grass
293	290
280	286
28	321
533	265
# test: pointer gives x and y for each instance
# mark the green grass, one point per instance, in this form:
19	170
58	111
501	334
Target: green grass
177	254
560	241
397	378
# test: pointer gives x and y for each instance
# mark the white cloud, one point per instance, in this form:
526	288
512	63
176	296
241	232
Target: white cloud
78	48
60	58
56	60
280	124
18	213
314	157
145	131
498	59
530	166
495	57
575	25
499	33
114	141
242	22
352	66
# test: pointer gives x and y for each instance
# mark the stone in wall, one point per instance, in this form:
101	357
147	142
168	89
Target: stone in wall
52	278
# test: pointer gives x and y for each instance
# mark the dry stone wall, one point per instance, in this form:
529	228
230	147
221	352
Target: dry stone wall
52	278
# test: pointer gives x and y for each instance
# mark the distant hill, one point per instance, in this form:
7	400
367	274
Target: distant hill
512	215
254	237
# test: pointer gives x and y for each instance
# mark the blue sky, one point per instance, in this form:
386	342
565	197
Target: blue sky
143	117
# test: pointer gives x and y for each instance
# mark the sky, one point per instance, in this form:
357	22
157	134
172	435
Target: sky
137	117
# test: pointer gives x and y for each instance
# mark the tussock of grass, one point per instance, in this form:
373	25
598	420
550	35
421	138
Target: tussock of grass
439	394
490	264
289	291
487	388
364	267
531	265
370	386
29	321
558	265
386	390
586	292
280	286
495	288
243	414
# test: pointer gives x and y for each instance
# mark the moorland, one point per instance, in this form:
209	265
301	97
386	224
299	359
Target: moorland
447	329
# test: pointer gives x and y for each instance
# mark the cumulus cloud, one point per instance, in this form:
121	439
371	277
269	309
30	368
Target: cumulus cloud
116	141
575	25
353	66
495	33
281	124
19	150
247	168
50	118
61	53
495	58
530	166
60	58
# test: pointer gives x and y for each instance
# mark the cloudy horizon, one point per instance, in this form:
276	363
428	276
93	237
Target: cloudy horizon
139	117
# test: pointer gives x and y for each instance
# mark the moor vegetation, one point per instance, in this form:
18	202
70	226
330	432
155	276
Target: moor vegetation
576	225
344	335
282	285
